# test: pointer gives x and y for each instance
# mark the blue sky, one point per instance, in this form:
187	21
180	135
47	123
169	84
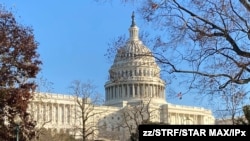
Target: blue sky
73	37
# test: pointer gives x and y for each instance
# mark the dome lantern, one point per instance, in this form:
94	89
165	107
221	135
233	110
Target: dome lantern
133	30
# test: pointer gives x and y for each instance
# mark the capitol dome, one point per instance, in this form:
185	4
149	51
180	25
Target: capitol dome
134	75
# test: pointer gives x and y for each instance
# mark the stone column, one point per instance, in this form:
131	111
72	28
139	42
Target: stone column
127	90
143	90
120	91
116	93
106	94
138	90
150	90
47	114
44	107
67	114
153	91
113	88
161	92
133	90
70	113
109	96
123	90
50	111
64	114
54	112
111	92
57	113
156	91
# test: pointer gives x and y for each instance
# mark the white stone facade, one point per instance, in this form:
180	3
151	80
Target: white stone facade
134	77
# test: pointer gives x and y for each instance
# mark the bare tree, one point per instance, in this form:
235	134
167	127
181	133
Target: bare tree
206	42
87	99
135	114
44	85
230	102
245	119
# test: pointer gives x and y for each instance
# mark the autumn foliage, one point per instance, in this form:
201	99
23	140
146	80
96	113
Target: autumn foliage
19	65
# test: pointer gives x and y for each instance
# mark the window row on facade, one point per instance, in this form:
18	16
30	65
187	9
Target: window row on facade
136	72
145	62
134	90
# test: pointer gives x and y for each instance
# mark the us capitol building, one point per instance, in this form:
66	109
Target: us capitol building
134	93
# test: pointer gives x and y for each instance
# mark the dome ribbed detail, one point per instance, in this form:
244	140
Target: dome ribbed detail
132	50
134	74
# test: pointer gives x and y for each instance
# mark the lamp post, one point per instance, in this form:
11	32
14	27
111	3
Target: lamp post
17	121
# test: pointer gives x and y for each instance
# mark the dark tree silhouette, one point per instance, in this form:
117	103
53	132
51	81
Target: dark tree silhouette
245	120
246	3
246	110
19	65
